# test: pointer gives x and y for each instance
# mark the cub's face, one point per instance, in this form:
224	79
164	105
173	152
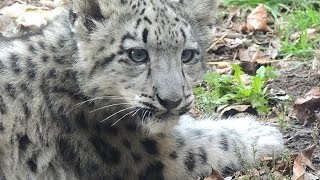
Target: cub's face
146	55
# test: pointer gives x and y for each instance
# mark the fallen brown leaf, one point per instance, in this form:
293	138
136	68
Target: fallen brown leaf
214	176
301	162
258	19
305	108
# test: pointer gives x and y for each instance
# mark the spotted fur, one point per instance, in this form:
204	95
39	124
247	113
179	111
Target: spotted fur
75	104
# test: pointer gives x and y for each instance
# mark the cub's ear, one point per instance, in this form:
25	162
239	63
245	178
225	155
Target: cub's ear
91	11
84	12
198	12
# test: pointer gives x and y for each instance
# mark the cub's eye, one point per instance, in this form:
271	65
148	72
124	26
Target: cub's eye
138	55
187	55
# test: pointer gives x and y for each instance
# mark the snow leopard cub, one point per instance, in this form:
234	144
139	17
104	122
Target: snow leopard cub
103	91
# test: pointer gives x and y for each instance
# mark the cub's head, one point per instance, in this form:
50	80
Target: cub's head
147	54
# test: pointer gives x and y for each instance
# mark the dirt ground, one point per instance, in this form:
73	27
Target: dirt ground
297	78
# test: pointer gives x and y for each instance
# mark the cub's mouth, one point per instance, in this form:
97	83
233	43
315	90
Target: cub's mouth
148	114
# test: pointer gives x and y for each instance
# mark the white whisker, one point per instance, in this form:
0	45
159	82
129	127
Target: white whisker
117	113
109	106
143	115
136	112
122	118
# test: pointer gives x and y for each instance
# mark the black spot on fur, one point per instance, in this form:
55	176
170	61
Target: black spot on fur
26	110
153	171
107	60
136	157
106	128
24	141
183	34
63	119
190	161
52	74
147	19
142	12
1	126
124	2
14	63
32	163
81	120
150	146
62	42
45	58
131	127
11	90
126	143
3	107
32	49
145	36
228	170
203	155
109	154
42	45
173	155
66	150
102	63
138	23
31	69
59	59
180	142
224	144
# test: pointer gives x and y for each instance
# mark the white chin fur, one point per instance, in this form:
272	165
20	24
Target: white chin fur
155	126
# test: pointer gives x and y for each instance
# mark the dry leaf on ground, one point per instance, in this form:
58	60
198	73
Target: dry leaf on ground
301	162
305	108
258	19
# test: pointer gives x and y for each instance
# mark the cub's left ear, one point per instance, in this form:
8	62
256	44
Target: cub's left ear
198	12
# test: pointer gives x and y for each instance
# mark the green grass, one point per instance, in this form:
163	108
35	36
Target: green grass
227	89
291	16
299	21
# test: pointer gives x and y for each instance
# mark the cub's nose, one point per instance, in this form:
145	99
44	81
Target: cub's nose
168	103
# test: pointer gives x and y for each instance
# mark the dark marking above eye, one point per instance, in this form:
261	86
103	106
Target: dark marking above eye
147	19
145	36
183	34
124	38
